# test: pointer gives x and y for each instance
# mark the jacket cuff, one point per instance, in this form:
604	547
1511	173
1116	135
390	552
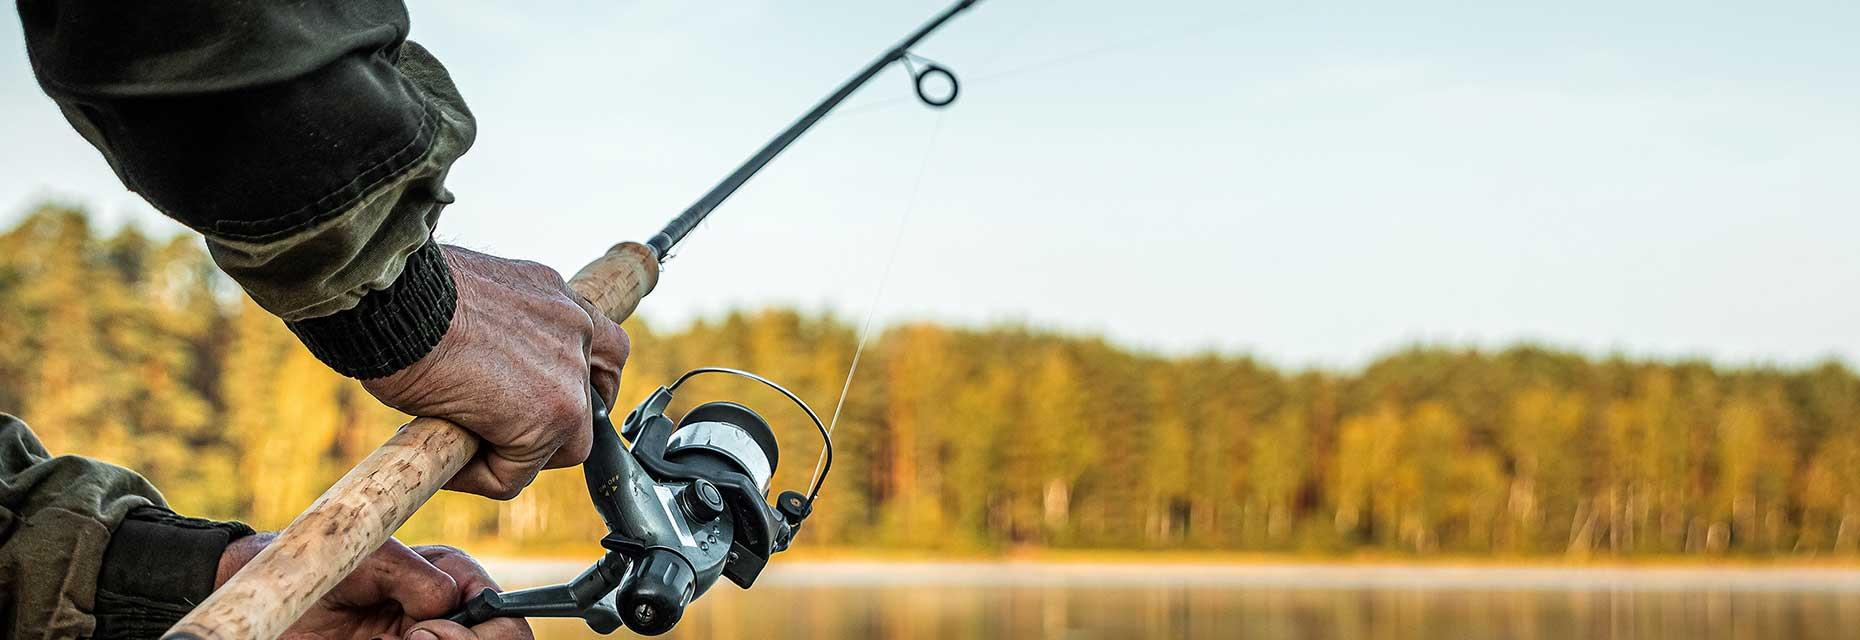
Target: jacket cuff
157	568
391	328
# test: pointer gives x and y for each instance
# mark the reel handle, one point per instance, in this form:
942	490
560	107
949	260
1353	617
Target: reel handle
654	599
358	513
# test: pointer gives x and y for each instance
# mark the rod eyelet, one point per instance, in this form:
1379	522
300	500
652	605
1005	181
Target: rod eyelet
934	69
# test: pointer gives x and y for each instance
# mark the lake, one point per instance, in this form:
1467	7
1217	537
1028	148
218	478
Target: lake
920	601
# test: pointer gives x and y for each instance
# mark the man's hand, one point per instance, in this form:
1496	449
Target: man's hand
514	368
398	593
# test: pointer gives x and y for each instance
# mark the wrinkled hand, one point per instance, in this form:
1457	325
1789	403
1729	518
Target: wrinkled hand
513	368
397	593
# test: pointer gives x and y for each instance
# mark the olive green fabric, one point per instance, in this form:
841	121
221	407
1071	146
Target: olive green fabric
308	141
56	515
327	267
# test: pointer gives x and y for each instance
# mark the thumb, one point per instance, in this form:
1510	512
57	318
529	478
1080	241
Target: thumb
439	630
495	629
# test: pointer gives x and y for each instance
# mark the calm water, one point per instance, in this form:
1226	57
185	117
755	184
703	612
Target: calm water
924	601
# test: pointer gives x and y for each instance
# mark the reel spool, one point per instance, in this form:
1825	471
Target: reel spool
726	432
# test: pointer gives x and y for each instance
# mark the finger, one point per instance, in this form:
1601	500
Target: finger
394	573
608	357
495	476
471	577
576	436
498	629
608	348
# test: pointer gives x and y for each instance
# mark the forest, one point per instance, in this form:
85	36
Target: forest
130	347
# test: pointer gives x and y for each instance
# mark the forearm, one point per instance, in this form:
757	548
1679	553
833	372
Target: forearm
88	549
308	142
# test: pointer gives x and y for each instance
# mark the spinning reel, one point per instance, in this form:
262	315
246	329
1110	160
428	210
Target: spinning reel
683	506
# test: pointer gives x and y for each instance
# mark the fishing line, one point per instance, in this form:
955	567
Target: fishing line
871	312
1115	47
884	278
1057	61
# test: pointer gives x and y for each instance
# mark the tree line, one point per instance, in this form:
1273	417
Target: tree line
133	349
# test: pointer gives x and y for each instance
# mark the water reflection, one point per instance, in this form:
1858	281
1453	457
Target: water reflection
911	606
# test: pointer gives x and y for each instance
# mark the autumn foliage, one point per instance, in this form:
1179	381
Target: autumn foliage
132	348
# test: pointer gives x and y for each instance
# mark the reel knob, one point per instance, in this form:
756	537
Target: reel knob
653	601
702	500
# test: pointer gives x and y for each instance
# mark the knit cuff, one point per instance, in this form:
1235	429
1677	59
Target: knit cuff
158	567
391	328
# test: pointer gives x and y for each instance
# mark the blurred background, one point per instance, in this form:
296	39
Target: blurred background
1190	319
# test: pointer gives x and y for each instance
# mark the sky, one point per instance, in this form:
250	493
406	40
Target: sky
1311	183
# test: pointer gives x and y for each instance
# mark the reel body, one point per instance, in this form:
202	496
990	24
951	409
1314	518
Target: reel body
684	505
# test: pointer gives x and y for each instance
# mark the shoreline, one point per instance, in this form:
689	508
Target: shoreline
1011	573
841	555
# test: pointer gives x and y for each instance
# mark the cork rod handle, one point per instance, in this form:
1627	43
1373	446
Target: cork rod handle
358	513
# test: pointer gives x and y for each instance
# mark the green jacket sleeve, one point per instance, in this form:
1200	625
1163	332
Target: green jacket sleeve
89	549
308	142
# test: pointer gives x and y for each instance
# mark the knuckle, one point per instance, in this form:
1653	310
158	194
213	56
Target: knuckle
440	550
505	490
575	451
436	591
542	272
588	326
623	344
565	411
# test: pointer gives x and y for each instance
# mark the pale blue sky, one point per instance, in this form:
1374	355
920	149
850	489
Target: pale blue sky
1313	184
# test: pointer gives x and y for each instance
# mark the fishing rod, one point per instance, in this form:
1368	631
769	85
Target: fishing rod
683	500
674	231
